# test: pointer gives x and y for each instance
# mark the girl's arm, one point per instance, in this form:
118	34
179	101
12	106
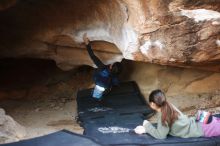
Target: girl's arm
94	58
159	132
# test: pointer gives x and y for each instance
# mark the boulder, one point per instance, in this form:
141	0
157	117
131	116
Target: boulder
10	130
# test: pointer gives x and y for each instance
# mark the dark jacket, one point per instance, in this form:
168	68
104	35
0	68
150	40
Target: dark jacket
102	76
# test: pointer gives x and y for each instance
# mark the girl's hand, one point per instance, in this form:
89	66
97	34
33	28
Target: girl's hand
139	130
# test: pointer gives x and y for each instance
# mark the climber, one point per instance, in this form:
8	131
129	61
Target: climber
173	122
105	76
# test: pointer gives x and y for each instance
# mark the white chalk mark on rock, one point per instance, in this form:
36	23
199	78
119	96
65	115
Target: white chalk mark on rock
94	34
130	42
150	44
144	48
117	58
216	23
218	43
201	14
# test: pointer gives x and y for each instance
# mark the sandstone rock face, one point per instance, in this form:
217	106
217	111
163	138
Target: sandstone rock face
10	130
186	88
169	32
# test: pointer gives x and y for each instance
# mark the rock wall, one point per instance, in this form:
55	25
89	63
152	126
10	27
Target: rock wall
186	88
182	33
10	130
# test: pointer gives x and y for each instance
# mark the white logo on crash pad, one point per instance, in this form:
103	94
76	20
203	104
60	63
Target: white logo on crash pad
113	130
99	109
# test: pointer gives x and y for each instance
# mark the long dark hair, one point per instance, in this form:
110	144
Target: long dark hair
116	68
169	114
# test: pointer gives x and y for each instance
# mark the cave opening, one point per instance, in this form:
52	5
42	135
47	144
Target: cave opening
43	61
40	96
24	73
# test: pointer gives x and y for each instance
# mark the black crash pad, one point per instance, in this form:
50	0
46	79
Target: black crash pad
126	94
125	99
131	138
60	138
67	138
109	131
111	122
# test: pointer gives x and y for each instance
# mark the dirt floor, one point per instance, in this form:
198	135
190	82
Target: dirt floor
46	103
43	116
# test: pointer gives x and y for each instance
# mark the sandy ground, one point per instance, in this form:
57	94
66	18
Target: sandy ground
43	102
43	116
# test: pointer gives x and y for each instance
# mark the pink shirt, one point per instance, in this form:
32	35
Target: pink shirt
213	128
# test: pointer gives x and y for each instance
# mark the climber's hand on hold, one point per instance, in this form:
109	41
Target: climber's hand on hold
85	39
